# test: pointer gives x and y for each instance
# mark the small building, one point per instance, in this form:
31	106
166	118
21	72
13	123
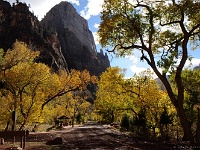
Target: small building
63	121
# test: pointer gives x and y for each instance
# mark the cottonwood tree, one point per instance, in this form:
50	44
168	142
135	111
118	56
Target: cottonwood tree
69	82
29	86
111	99
16	75
161	31
191	82
134	96
77	106
151	101
24	82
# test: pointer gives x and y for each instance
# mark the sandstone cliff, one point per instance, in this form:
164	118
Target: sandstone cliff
77	42
63	37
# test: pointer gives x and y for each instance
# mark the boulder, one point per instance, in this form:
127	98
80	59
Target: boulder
56	141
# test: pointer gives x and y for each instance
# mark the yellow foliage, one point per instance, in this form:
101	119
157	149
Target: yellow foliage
30	86
119	95
19	53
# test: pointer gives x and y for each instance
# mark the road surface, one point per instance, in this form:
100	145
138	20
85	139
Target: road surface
93	136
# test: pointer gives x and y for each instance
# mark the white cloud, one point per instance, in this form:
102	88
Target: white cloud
96	25
96	37
193	63
135	69
138	66
132	58
41	7
93	8
74	2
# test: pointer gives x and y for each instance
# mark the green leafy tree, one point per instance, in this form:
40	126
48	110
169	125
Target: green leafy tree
191	81
161	31
141	122
79	118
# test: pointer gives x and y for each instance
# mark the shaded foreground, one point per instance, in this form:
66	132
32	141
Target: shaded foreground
91	136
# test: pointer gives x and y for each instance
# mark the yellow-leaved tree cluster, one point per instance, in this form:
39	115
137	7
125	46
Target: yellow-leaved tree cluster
140	98
32	91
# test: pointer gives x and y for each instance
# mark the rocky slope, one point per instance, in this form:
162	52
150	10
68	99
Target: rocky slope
18	23
63	37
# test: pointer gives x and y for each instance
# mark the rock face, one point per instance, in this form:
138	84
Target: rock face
77	42
18	23
62	37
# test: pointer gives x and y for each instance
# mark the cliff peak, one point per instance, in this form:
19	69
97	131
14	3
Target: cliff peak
77	41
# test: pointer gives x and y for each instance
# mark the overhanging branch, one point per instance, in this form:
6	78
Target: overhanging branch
134	46
194	28
61	93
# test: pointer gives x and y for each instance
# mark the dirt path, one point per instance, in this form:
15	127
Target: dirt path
89	137
93	136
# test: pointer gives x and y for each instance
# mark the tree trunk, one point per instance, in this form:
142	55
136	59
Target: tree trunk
198	128
22	126
72	122
185	125
73	118
154	132
7	126
161	132
112	117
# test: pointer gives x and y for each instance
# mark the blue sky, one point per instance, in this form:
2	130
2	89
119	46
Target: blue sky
90	10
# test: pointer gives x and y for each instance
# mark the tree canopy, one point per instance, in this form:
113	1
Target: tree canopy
140	97
161	31
27	86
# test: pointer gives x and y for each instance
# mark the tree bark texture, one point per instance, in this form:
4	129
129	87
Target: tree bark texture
185	124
